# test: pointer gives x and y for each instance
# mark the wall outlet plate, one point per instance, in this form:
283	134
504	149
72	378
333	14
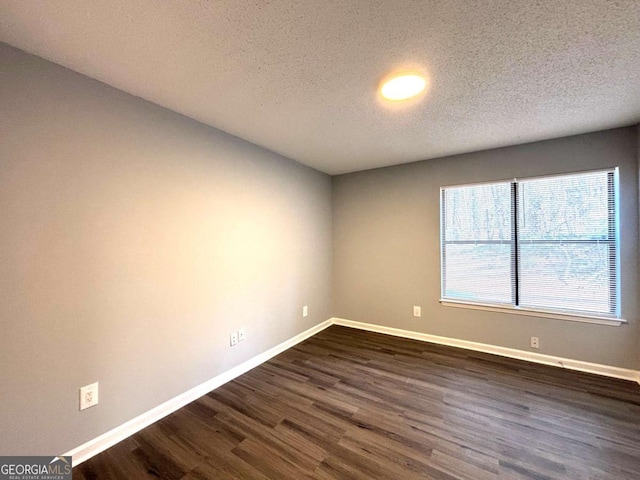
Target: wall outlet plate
88	396
233	339
242	334
305	311
535	342
417	311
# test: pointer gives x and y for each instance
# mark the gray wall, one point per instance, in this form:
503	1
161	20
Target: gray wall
387	247
133	241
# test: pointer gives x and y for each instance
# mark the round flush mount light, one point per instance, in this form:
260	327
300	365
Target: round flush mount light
403	86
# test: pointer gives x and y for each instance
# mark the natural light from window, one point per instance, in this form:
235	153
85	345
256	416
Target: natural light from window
545	243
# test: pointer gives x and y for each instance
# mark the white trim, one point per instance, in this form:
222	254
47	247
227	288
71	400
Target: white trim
573	317
534	177
99	444
598	369
110	438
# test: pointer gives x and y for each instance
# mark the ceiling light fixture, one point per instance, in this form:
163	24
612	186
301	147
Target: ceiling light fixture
403	86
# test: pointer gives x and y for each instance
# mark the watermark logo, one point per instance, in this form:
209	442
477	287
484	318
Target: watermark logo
35	468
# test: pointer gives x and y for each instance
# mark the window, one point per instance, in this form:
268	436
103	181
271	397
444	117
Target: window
540	244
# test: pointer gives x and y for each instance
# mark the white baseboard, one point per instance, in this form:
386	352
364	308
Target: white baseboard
110	438
606	370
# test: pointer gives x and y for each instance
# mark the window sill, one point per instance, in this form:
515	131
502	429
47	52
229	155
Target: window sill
614	322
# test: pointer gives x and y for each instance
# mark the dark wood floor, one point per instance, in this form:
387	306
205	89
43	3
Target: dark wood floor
352	404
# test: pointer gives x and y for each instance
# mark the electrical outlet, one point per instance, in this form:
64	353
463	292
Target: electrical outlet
234	338
305	311
417	311
88	396
242	334
535	342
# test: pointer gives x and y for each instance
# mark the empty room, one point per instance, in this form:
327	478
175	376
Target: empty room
319	239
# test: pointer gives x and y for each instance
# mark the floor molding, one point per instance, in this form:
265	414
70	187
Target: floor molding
606	370
110	438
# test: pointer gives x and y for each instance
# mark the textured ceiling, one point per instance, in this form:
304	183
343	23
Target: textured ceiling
300	77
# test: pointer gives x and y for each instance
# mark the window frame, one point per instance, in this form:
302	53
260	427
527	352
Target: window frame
612	240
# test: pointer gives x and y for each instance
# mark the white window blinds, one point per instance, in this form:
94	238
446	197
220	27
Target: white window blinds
546	243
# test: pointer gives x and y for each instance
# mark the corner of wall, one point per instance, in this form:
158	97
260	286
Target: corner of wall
638	165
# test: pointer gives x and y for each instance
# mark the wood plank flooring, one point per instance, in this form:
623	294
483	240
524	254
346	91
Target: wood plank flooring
349	404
